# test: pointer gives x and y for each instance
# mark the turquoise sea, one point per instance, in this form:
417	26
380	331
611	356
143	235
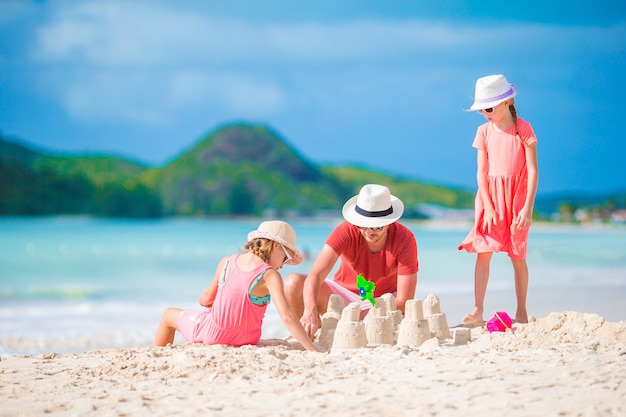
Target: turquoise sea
77	284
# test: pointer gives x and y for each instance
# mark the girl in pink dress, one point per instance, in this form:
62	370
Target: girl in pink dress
237	298
507	177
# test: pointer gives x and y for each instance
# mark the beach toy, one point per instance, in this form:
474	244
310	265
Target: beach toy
500	322
366	289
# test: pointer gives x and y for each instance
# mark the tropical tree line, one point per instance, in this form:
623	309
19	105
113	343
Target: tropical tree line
25	192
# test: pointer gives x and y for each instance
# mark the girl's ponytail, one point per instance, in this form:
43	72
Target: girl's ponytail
514	114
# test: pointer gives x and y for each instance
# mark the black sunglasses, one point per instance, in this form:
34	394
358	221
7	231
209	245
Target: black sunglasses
373	229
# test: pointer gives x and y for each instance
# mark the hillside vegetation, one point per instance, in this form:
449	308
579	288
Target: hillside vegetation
238	169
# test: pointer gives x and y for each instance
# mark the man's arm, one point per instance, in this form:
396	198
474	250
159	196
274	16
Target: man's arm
310	294
406	290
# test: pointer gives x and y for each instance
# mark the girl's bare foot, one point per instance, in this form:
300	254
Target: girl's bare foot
521	316
523	319
473	319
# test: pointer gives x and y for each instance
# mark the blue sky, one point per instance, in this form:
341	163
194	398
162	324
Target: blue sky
375	83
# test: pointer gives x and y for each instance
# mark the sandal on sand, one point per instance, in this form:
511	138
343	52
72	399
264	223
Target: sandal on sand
473	321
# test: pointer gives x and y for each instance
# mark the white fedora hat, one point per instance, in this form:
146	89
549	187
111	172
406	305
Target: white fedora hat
491	91
281	232
374	206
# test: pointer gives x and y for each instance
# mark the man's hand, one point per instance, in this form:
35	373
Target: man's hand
311	322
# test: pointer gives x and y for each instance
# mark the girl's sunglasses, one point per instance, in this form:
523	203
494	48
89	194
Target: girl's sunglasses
287	256
489	110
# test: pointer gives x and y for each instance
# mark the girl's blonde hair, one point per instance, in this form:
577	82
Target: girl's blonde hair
261	247
513	111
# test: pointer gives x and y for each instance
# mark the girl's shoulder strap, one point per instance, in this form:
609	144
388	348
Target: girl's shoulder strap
223	277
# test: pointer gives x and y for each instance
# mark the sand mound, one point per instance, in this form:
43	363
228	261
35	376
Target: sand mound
560	329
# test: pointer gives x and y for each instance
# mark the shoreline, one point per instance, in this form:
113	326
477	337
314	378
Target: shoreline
606	301
576	360
460	223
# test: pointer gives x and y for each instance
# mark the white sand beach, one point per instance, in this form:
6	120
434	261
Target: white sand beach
563	364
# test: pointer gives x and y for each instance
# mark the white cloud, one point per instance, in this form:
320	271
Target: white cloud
128	34
144	63
241	94
113	34
142	34
103	95
159	100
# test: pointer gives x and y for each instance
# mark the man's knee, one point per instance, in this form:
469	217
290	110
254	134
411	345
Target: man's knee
294	283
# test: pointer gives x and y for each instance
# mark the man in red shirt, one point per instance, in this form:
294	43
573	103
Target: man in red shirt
370	242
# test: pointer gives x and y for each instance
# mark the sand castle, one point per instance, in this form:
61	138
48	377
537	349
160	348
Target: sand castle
350	330
379	325
330	320
414	329
384	324
436	319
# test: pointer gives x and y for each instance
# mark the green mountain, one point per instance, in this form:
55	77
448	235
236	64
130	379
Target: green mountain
238	169
242	170
410	191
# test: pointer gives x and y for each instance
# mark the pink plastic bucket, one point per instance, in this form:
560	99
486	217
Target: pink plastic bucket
500	322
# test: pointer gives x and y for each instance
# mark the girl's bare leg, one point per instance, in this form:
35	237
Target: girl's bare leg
168	326
481	278
520	267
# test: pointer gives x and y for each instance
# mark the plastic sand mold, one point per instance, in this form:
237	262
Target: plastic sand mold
366	289
500	322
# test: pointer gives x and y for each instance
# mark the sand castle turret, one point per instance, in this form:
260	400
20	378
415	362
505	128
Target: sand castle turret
330	320
437	321
379	326
431	305
350	331
414	329
389	301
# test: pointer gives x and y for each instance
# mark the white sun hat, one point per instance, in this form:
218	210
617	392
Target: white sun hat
374	206
281	232
491	91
